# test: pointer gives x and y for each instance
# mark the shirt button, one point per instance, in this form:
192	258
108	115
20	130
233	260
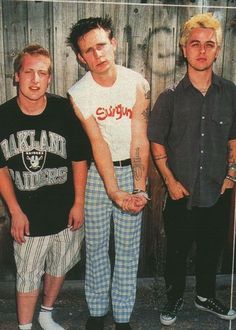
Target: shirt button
202	134
203	117
200	167
221	122
202	151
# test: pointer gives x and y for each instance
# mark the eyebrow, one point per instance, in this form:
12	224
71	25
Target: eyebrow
208	41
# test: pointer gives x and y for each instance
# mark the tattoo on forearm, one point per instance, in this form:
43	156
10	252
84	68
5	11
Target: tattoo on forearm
145	114
137	166
158	157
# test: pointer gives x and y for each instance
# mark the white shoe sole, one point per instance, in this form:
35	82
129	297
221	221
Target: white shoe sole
224	317
169	322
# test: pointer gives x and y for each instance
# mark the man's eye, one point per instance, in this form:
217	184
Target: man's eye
101	46
210	45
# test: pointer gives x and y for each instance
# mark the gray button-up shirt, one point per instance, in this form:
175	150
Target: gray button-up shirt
195	131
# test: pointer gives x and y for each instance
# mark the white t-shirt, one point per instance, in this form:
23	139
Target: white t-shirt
111	107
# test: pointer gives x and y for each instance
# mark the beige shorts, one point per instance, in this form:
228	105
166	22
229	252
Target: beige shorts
53	254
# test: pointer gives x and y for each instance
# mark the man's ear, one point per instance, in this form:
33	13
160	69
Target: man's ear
81	59
184	51
217	52
114	43
16	77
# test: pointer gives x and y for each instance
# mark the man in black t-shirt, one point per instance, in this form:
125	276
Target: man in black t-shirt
43	171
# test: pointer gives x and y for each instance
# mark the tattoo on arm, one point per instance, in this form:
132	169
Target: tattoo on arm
137	166
158	157
145	114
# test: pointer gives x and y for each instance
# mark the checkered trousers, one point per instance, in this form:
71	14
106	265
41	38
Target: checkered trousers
99	211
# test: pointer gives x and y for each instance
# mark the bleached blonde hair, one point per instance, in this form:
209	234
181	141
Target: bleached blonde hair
205	20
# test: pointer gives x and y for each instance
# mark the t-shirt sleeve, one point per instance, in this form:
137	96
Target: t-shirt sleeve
79	145
160	119
232	134
2	159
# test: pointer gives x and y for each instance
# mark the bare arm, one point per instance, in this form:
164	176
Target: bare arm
139	142
76	216
229	183
175	188
140	149
19	221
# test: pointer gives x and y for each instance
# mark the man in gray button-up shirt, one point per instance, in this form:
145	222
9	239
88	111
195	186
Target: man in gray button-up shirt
192	130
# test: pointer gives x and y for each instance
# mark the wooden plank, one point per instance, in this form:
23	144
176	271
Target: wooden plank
38	23
15	22
119	15
229	46
184	13
65	63
163	43
2	62
160	63
220	14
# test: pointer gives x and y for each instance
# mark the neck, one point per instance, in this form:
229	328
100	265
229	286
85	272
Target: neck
32	107
201	80
106	79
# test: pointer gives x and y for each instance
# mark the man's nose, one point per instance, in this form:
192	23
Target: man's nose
97	53
35	77
202	49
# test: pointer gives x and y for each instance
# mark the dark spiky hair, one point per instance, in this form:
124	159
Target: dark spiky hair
85	25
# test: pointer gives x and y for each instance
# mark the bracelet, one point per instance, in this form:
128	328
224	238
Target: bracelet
231	178
232	167
141	192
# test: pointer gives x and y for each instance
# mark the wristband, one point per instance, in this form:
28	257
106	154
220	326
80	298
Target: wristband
232	167
141	192
231	178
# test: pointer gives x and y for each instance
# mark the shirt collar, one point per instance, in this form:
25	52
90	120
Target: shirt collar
215	80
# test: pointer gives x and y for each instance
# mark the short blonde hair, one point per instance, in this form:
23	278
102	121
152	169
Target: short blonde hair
205	20
31	49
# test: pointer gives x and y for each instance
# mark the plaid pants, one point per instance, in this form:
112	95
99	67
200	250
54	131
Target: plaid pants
99	211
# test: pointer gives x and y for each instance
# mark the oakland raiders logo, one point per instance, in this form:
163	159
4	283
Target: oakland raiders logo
34	160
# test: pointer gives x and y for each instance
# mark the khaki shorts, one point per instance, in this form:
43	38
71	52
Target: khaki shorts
53	254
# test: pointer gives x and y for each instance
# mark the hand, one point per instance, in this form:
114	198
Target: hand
128	202
19	226
137	203
177	190
227	184
76	217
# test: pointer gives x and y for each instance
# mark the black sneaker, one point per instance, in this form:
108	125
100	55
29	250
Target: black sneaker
123	326
169	313
95	323
214	306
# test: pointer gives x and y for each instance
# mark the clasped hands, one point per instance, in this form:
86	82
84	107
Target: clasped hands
128	202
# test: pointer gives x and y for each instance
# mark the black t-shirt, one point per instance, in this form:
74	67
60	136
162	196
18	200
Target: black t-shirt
38	151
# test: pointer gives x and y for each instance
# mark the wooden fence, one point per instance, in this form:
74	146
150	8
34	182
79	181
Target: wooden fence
148	34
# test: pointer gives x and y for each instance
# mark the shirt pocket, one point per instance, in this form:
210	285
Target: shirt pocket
221	126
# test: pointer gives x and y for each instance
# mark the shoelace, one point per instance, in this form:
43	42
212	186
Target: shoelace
216	304
172	307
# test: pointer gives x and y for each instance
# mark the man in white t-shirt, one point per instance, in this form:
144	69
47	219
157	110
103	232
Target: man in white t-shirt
112	103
